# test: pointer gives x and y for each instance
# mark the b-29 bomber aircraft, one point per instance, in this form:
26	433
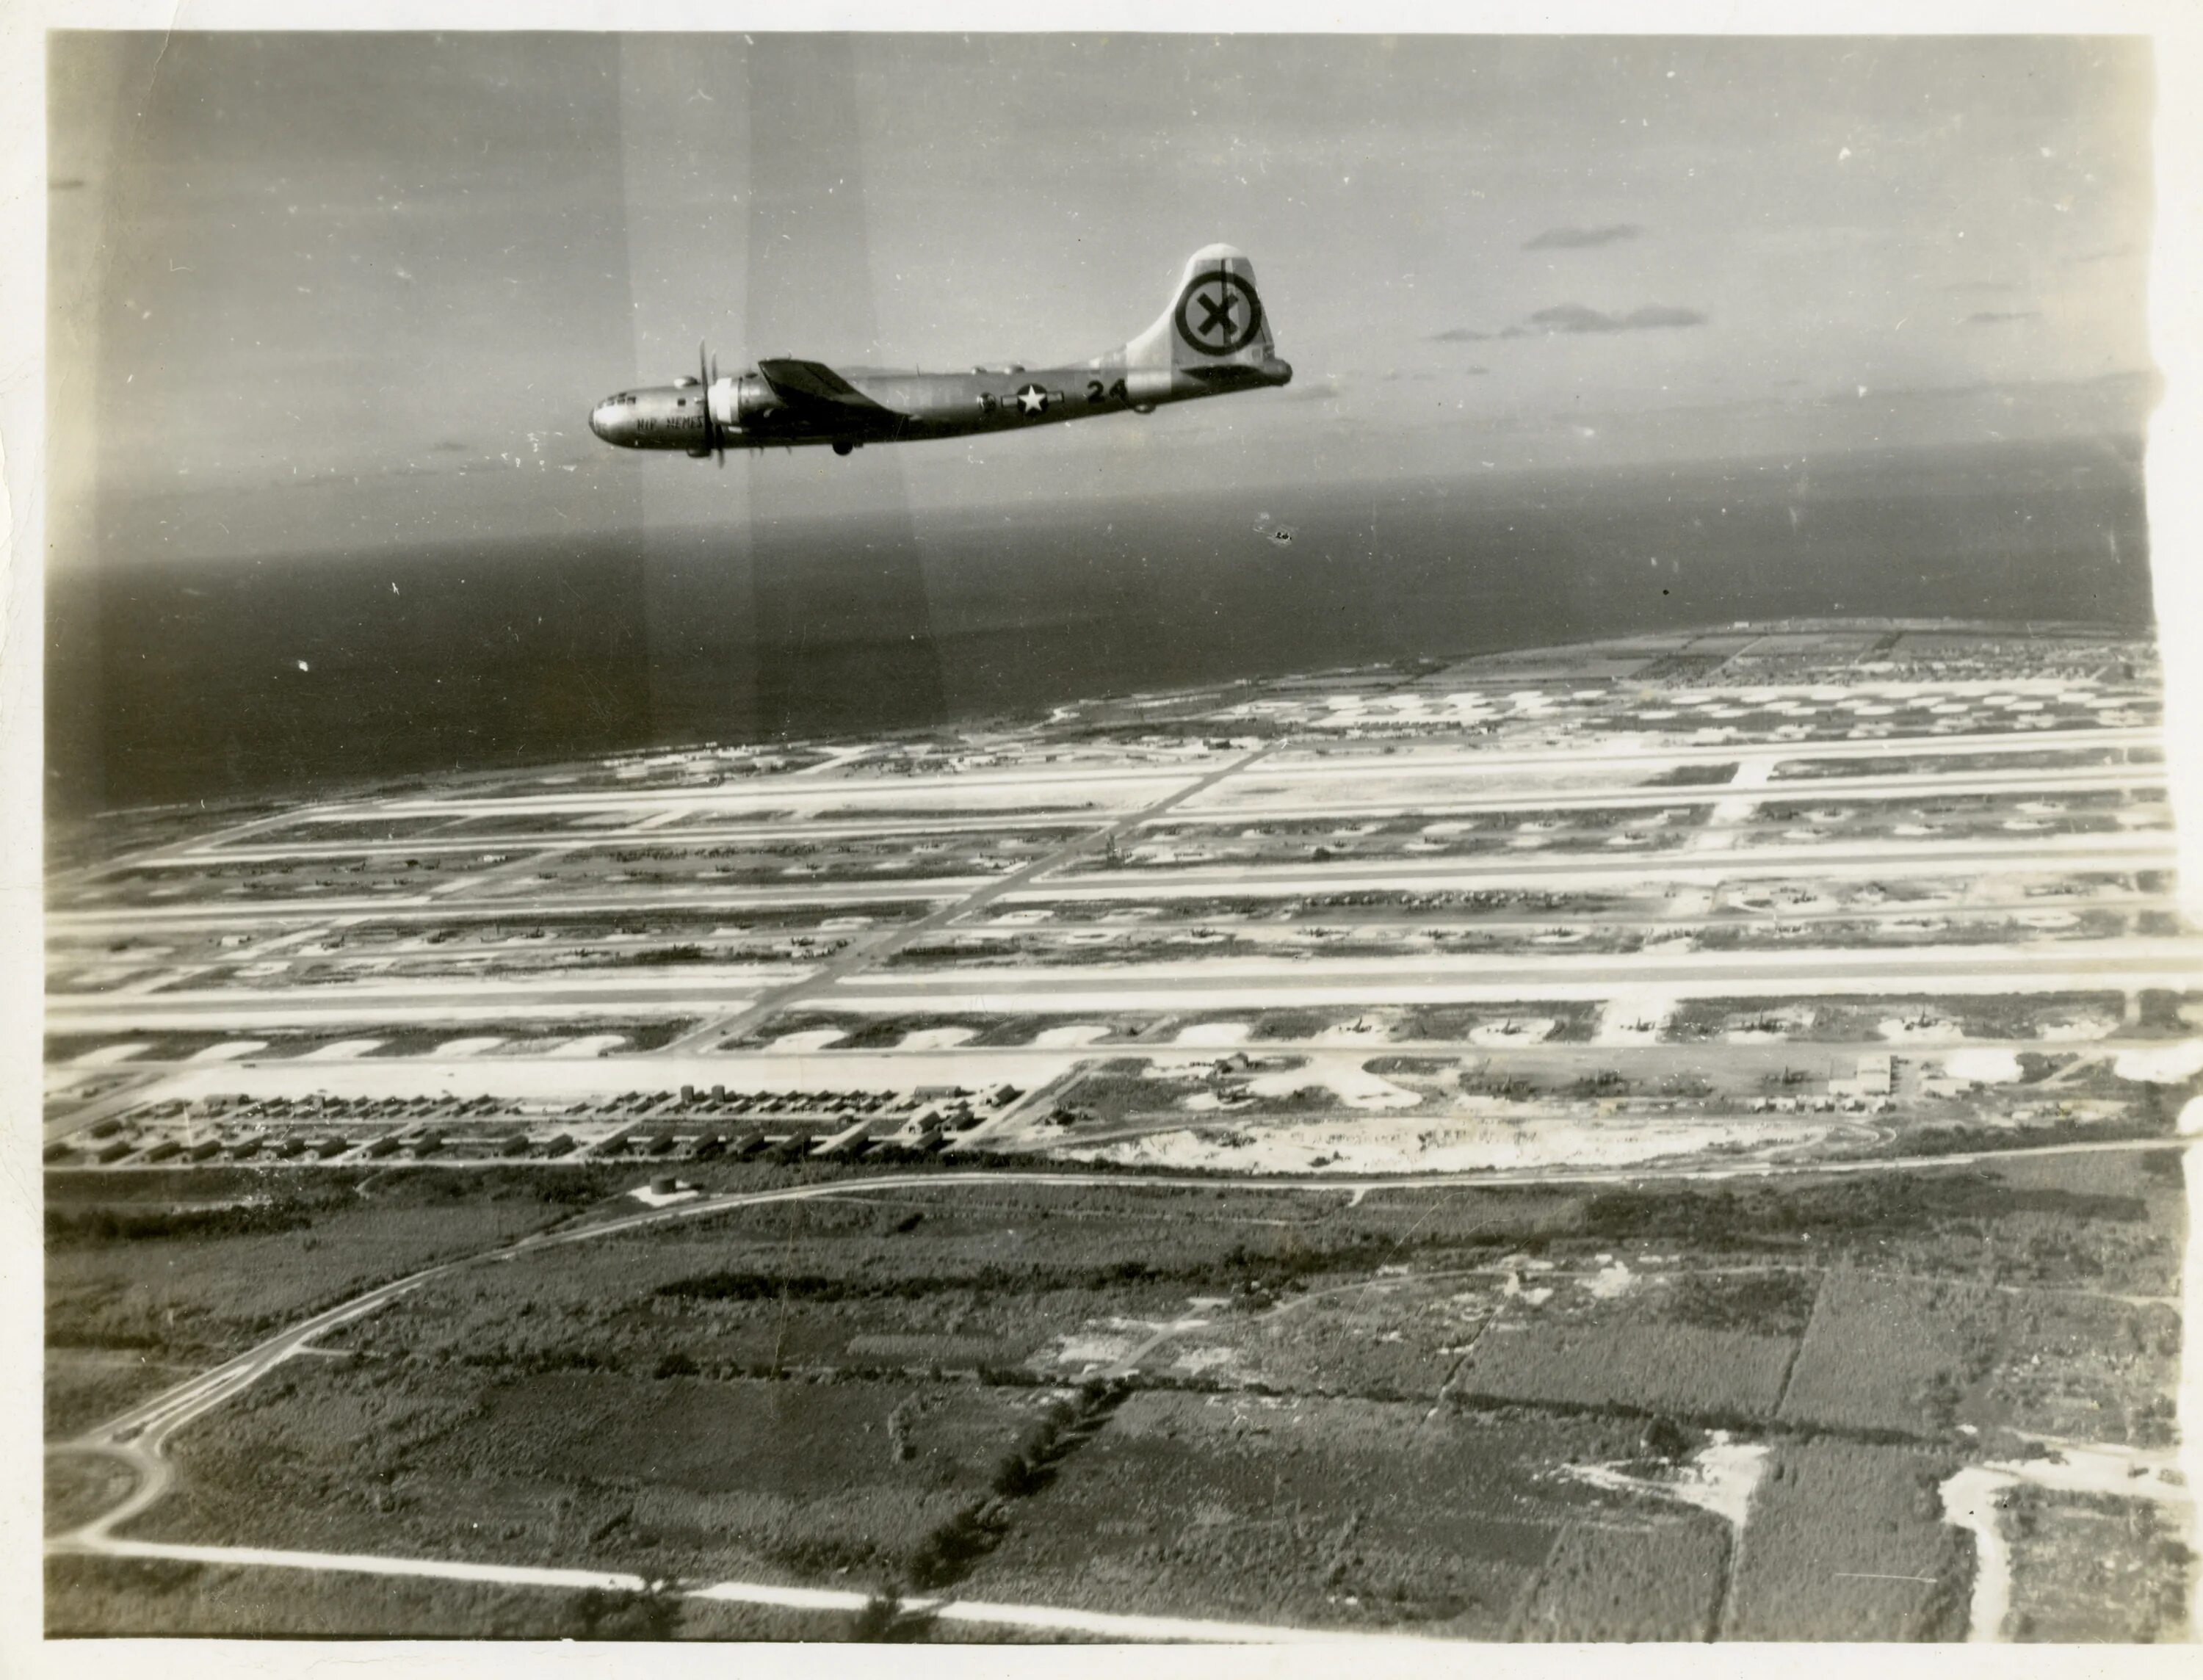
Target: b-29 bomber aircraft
1214	339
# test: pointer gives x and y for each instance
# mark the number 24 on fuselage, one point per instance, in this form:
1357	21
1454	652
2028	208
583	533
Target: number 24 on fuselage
1214	339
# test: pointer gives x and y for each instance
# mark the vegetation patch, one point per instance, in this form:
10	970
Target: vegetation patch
791	1480
1712	1374
2096	1569
1692	775
1774	1302
85	1386
2084	1367
1619	1578
141	1270
1892	1354
1847	1542
1330	1513
78	1486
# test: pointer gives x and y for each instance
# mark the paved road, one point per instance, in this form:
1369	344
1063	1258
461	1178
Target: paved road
1814	791
1038	1619
736	1003
768	1068
1898	968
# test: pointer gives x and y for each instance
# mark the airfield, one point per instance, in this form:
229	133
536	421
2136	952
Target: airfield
1673	1138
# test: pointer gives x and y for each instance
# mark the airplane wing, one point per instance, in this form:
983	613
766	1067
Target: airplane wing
816	391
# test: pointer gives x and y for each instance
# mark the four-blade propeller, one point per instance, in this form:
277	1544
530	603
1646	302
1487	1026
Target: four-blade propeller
708	373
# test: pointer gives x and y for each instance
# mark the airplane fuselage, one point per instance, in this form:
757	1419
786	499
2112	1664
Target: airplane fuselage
1214	339
744	413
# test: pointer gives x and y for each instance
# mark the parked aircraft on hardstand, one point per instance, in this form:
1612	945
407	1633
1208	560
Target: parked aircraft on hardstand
1215	339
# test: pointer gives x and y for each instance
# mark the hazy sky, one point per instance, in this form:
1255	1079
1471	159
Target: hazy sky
336	291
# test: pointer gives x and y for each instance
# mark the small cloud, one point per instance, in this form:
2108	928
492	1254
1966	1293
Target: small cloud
1459	335
1476	370
1583	238
1575	318
448	447
1578	318
1998	317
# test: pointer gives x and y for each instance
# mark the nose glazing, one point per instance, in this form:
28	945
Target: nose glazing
608	420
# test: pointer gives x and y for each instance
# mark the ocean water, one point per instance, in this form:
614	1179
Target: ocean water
177	682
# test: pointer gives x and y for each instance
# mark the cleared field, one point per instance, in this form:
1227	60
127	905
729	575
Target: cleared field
1710	1374
1847	1541
84	1385
1889	1354
1330	1332
1334	1513
1618	1578
786	1481
168	1265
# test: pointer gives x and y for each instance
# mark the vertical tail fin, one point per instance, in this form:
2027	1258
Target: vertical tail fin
1216	319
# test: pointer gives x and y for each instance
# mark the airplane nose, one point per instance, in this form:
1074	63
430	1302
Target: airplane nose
608	420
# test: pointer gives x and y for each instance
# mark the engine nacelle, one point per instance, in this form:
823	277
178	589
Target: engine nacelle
756	401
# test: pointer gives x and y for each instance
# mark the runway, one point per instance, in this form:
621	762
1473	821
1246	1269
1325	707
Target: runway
1223	982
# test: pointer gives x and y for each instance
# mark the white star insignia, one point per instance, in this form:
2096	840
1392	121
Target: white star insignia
1033	400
